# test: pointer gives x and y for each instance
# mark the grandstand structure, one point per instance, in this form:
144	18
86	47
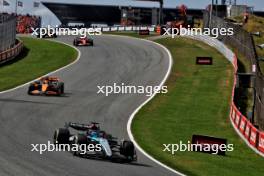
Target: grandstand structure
8	31
112	15
10	47
25	23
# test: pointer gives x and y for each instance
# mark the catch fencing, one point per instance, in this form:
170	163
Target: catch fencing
243	43
7	32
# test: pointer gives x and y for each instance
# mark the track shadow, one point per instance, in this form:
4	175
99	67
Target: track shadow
21	56
26	101
116	160
138	164
65	95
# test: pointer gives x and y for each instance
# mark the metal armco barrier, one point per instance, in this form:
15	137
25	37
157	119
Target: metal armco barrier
11	53
246	130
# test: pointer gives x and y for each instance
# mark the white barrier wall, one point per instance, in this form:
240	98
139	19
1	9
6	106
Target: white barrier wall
221	47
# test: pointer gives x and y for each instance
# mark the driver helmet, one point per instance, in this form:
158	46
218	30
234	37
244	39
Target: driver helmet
93	134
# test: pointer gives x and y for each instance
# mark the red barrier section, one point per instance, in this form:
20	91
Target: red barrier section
237	118
247	130
243	124
261	142
253	136
233	113
11	53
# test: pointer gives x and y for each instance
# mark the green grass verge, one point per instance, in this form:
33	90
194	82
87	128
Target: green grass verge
197	103
39	57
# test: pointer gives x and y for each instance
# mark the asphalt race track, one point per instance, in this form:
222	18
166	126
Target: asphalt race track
27	120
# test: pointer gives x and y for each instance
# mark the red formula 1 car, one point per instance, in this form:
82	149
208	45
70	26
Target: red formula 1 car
46	86
83	41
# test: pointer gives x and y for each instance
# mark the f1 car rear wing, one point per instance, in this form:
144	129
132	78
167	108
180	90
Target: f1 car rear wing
80	126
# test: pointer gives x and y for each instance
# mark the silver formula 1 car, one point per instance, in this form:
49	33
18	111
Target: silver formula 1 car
91	134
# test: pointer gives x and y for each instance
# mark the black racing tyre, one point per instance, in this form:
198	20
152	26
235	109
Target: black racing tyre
30	89
61	89
80	139
61	136
74	42
127	149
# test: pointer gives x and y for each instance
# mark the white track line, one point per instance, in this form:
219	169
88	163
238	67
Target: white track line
62	68
129	123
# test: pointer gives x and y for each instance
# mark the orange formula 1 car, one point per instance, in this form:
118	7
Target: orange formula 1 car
46	86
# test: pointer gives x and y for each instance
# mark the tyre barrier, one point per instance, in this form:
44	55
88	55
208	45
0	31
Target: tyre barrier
11	53
253	137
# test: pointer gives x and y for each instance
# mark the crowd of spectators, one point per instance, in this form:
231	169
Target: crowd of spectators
26	22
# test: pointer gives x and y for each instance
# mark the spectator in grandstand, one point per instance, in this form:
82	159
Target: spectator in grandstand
26	22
